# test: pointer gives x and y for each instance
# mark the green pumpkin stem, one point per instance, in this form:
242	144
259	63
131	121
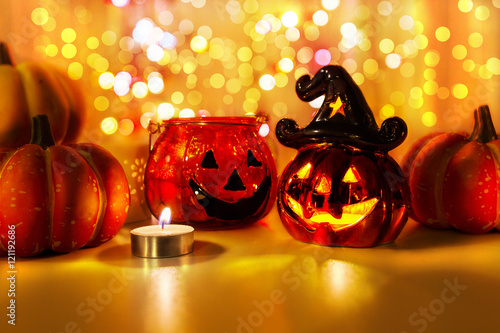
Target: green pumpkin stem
5	57
40	131
483	131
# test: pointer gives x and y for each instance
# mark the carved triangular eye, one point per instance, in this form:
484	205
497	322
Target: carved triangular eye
209	161
251	160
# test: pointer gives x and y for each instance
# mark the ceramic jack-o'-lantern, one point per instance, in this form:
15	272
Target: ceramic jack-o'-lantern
212	172
342	188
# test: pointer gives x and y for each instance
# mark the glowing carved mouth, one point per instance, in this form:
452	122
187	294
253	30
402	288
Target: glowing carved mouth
351	214
231	210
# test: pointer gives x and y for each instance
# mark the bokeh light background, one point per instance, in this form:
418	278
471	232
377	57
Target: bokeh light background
429	62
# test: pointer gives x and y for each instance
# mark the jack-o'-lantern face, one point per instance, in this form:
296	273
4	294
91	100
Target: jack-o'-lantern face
334	194
212	172
338	190
235	189
345	205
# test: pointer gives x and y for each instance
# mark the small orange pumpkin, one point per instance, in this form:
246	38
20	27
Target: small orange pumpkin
60	197
32	88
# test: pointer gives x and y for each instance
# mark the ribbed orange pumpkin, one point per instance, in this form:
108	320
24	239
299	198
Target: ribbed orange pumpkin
32	88
455	179
60	197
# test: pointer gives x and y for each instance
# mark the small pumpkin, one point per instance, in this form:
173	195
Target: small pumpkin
342	188
32	88
60	197
454	178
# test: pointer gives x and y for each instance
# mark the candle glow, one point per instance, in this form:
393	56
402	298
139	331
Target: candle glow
165	218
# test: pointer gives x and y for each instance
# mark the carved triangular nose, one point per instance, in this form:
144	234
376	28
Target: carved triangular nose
234	183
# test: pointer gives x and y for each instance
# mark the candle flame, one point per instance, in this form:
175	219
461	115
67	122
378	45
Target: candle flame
165	217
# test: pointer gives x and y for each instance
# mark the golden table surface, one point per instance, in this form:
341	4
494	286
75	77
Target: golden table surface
259	279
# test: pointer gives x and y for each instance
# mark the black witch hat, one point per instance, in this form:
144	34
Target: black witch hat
356	127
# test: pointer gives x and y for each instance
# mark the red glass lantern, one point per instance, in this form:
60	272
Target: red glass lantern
213	172
342	188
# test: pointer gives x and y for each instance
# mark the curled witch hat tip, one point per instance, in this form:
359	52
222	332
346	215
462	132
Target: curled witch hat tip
352	122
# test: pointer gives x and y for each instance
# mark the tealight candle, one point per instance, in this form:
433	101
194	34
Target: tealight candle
163	239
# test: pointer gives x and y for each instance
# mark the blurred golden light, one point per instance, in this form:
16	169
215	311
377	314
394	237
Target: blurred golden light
406	22
251	6
50	25
430	87
292	34
40	16
281	80
290	19
101	65
267	82
166	111
109	125
177	97
421	41
140	89
51	50
397	98
101	103
320	18
442	34
285	65
126	127
156	85
358	78
305	54
493	65
386	45
465	6
350	65
387	111
68	35
166	17
330	4
429	119
199	44
253	94
393	60
468	65
475	39
217	80
384	8
431	58
108	38
75	71
459	52
244	54
186	27
92	43
155	52
370	67
484	73
68	51
186	113
460	91
106	80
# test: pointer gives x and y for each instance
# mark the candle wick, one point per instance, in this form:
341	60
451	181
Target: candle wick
162	225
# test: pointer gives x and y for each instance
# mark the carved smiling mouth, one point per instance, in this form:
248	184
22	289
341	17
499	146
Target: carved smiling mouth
231	210
351	214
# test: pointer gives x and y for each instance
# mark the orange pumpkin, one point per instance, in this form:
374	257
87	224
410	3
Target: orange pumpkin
32	88
60	197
